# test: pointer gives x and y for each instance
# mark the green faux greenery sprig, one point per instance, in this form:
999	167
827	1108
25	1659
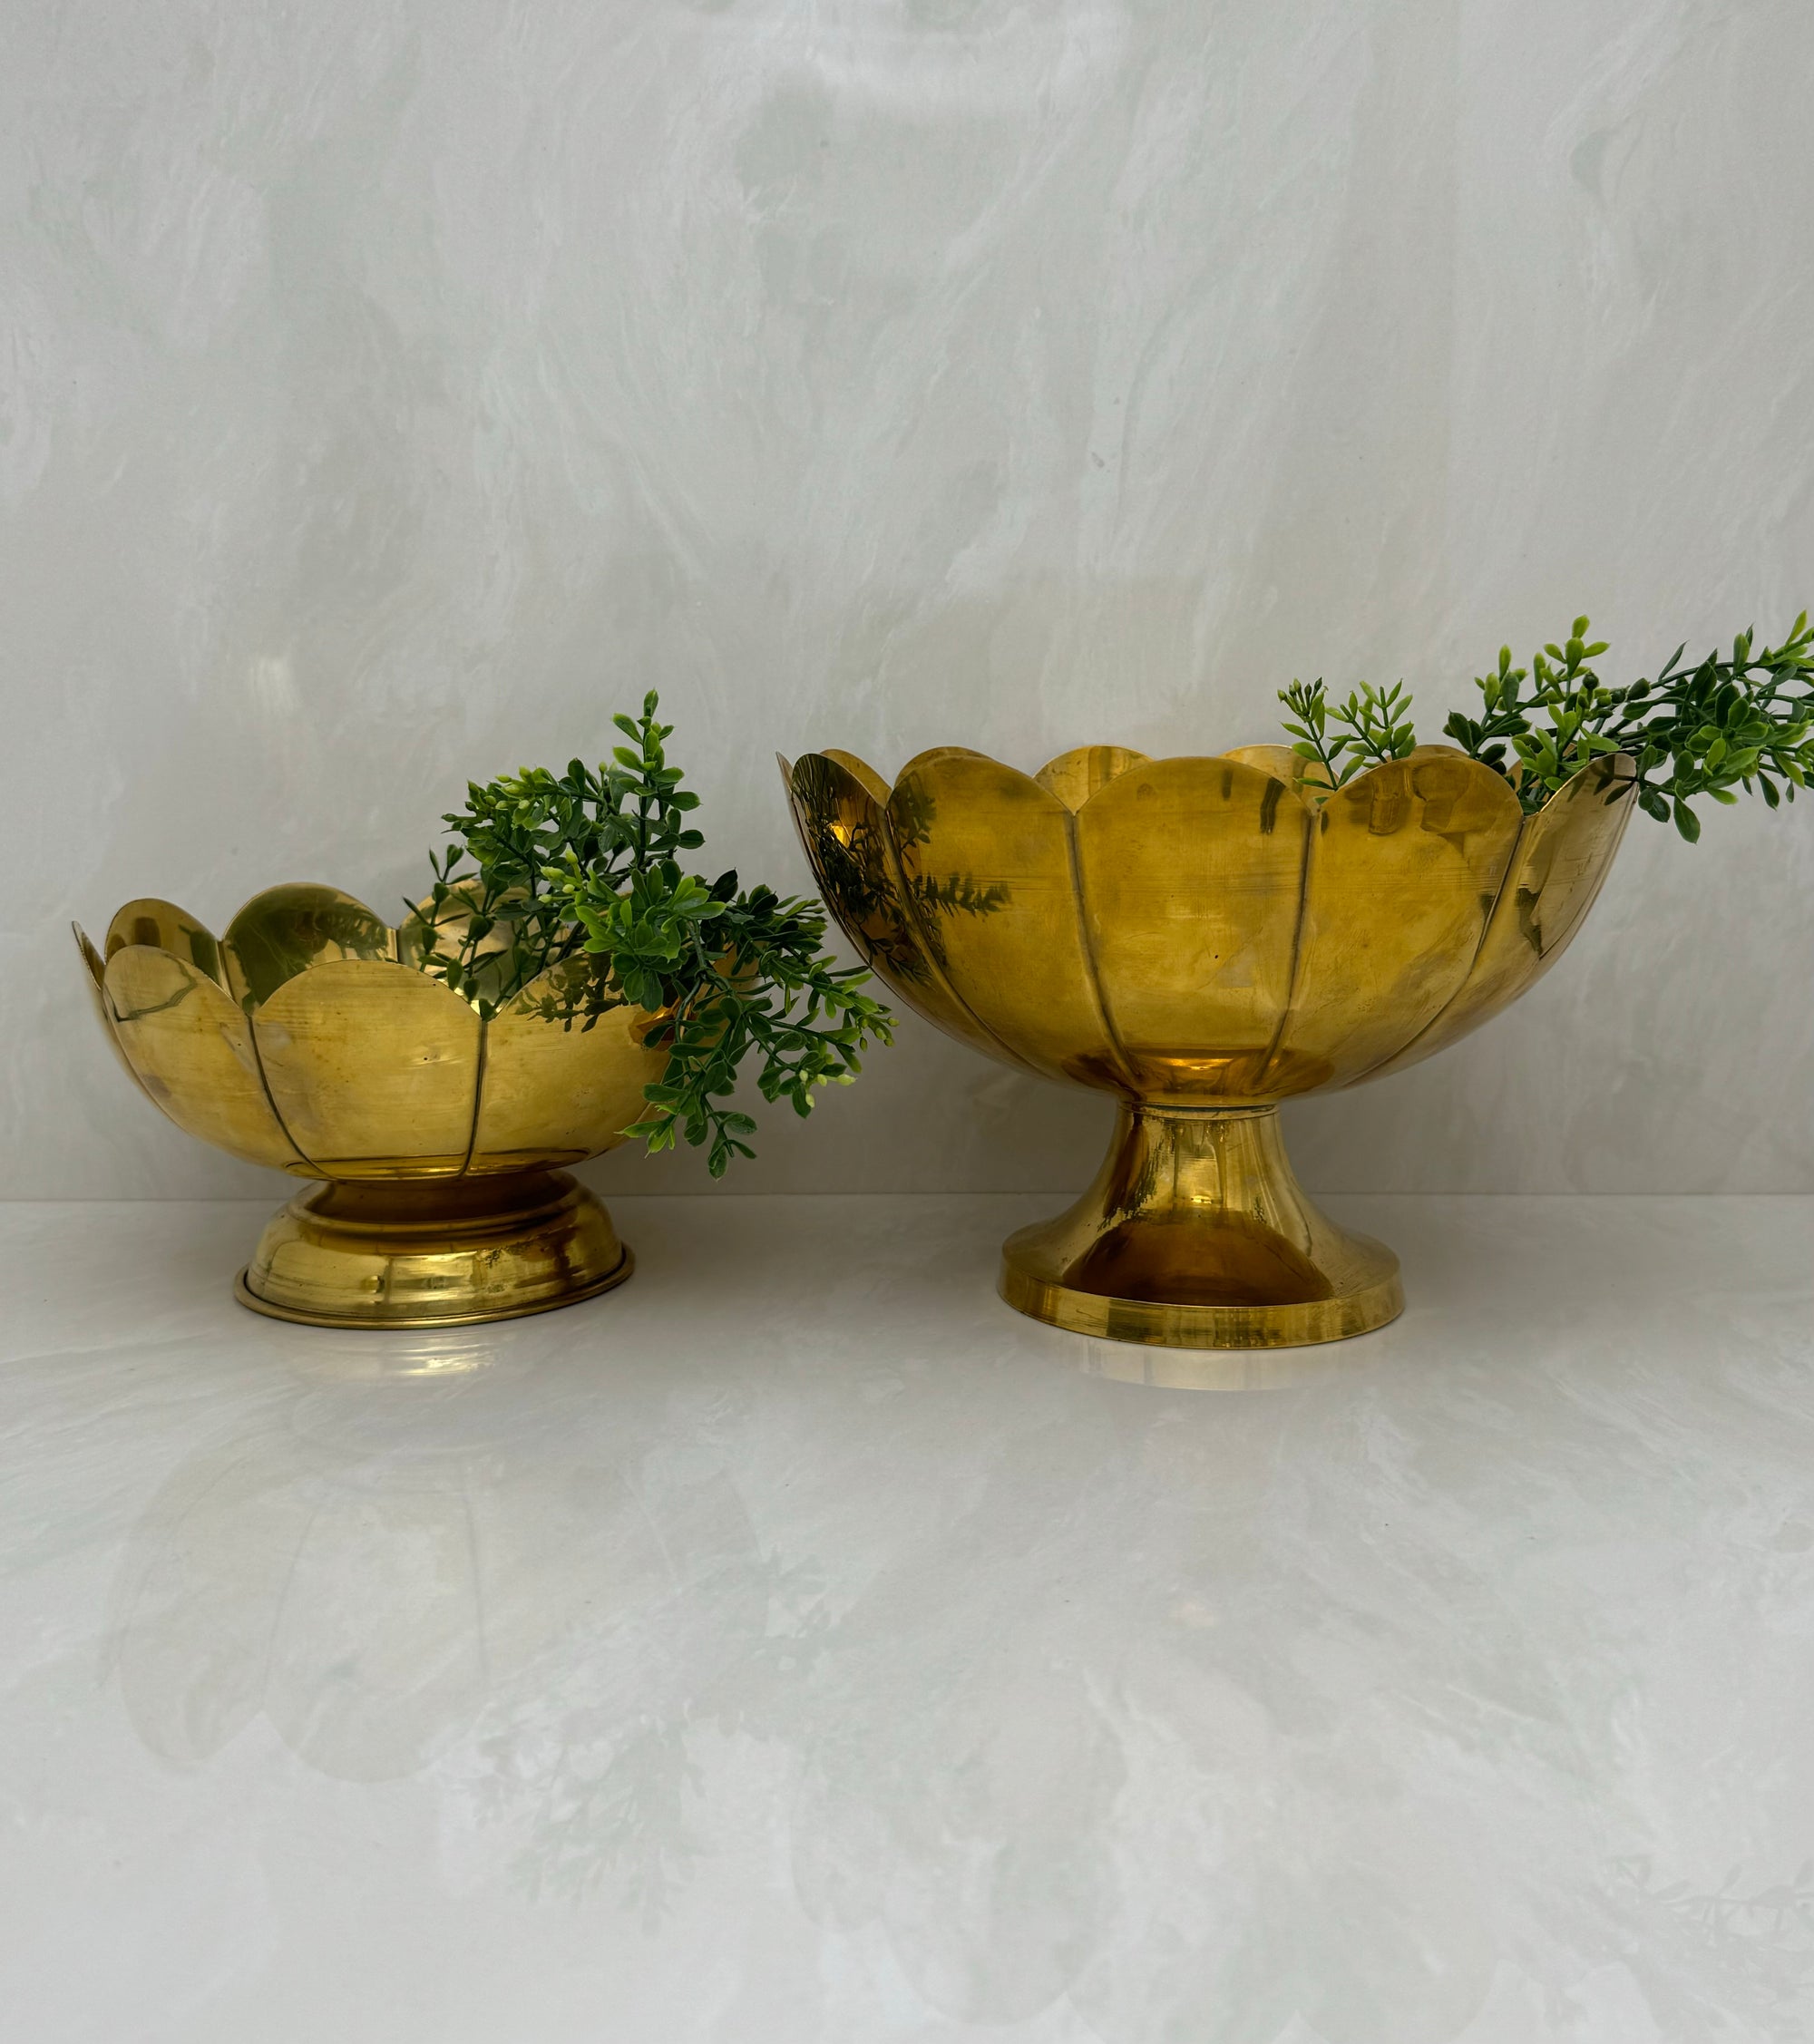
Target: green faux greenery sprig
1708	729
1378	727
581	869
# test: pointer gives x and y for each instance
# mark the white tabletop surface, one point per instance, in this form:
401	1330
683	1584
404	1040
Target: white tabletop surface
797	1645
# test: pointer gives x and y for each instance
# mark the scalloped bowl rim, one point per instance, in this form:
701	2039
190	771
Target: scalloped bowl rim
220	943
1303	789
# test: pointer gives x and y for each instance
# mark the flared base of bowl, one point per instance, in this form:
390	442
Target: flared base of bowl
433	1253
1196	1235
1162	1323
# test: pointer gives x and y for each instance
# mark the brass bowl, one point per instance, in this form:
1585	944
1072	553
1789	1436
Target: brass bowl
304	1039
1204	939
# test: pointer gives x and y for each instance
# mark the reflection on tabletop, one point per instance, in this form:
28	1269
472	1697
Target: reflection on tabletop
1064	1688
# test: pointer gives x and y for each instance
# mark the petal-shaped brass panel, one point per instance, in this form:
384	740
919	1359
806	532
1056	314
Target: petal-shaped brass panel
1405	863
97	976
163	927
373	1067
860	770
845	832
1190	874
92	959
1076	775
286	929
191	1050
1562	855
553	1094
989	864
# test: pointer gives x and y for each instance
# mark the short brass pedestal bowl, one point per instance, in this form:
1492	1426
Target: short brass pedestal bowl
304	1039
1204	939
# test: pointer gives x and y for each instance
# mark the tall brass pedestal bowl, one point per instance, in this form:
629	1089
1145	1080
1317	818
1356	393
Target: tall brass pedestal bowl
306	1039
1204	939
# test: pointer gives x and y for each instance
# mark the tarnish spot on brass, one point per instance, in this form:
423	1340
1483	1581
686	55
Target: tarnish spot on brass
1268	806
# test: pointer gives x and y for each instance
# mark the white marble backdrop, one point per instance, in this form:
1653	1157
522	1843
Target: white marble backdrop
389	390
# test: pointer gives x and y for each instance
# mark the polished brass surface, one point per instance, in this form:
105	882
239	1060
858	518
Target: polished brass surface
305	1041
1196	1235
435	1252
1203	939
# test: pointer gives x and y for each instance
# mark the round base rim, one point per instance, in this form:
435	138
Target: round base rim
379	1322
1162	1324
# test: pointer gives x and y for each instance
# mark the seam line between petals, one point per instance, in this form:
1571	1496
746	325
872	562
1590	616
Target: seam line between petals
1312	830
478	1094
1514	864
297	1150
1091	966
916	923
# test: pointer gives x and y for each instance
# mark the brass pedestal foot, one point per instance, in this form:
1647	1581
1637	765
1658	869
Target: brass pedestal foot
433	1253
1196	1235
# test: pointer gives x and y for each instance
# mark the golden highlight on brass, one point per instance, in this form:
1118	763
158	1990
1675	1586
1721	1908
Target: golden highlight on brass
306	1039
1204	939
